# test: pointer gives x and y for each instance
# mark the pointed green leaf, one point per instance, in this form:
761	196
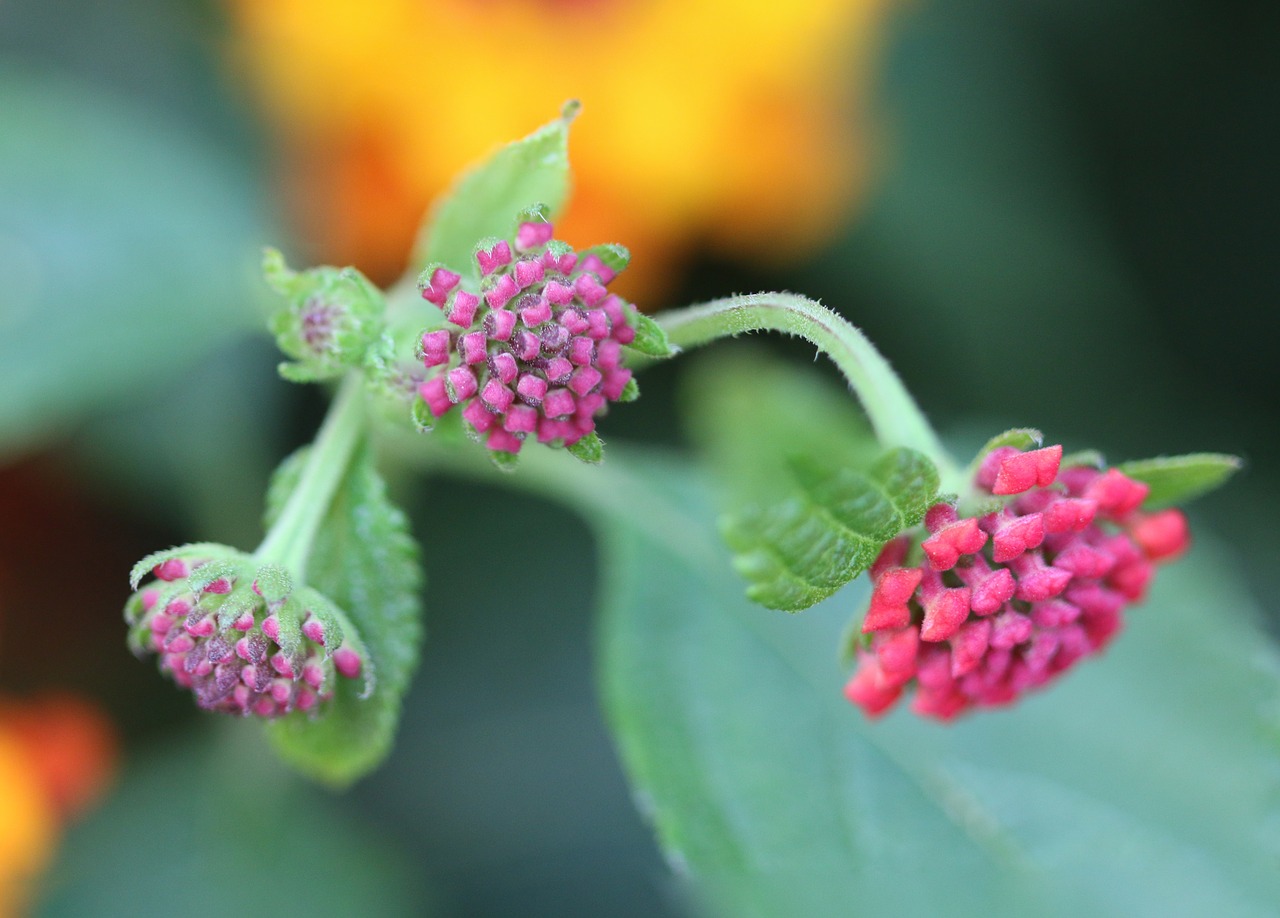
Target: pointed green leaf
1178	479
484	201
812	499
365	562
1143	783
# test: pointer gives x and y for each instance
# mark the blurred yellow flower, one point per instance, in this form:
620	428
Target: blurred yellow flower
732	124
57	755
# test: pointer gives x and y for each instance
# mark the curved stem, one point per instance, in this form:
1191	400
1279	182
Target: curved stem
288	543
894	414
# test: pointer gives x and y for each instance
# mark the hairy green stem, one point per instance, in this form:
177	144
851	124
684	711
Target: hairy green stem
289	541
894	414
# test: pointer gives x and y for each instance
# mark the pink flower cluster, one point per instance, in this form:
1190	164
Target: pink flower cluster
537	352
986	608
227	644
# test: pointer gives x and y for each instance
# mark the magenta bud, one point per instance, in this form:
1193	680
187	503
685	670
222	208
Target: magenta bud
281	664
528	273
499	324
173	569
435	348
496	397
584	379
504	367
437	288
558	293
435	395
271	627
521	419
478	416
347	662
313	629
460	384
558	403
502	440
463	311
200	627
472	348
589	290
532	234
536	313
531	389
558	370
221	586
574	322
497	257
313	674
582	351
500	294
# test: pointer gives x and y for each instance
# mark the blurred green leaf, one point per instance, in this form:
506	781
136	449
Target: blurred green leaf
365	561
812	498
126	252
1178	479
198	825
1146	783
485	201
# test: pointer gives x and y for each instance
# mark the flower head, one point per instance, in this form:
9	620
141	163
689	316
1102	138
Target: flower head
984	608
537	350
239	635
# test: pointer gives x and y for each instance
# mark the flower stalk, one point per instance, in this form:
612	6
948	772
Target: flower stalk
894	415
288	543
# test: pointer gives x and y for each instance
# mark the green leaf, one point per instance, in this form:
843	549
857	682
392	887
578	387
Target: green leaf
365	562
1178	479
485	200
1144	783
124	252
812	498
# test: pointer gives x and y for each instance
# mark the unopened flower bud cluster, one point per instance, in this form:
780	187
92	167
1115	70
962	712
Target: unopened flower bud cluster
242	642
986	608
537	352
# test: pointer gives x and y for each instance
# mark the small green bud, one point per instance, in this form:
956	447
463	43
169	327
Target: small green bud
329	320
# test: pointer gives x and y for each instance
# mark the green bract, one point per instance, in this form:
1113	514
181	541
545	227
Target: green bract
329	320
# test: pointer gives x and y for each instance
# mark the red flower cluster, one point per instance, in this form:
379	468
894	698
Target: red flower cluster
1003	603
538	350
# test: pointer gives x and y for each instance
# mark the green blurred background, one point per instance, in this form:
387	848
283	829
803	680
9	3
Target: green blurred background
1069	224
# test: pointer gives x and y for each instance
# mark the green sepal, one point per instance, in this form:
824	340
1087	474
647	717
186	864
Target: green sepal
273	582
589	449
630	392
207	573
480	203
328	320
650	339
503	461
1178	479
192	550
615	257
422	417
